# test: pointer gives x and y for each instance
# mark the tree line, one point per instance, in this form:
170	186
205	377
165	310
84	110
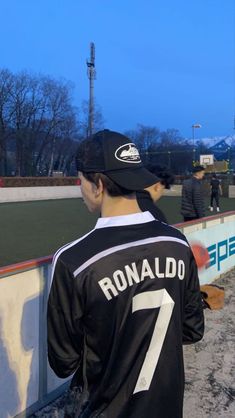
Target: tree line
167	148
40	129
39	125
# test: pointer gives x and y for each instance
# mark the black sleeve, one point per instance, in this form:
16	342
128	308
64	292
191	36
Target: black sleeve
193	325
64	338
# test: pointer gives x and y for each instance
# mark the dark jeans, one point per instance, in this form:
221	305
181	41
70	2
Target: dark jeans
215	196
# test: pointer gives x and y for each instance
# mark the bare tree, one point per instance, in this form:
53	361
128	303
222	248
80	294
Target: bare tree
6	82
171	137
144	136
40	108
21	115
167	148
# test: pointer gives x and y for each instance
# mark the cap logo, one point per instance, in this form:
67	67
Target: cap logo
128	153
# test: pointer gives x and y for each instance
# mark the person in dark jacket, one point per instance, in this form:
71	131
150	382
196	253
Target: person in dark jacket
216	190
192	203
148	197
125	297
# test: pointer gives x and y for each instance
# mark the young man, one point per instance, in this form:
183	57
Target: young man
124	297
216	190
148	197
192	203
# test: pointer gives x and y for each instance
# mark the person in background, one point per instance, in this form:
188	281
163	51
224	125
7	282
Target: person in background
125	297
148	197
216	190
192	201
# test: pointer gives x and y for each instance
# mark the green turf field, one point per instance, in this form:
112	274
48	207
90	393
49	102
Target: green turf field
36	229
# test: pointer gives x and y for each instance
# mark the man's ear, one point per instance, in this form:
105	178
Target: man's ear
158	187
98	189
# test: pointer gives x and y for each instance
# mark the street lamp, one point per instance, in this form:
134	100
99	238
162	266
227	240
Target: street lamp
194	126
228	151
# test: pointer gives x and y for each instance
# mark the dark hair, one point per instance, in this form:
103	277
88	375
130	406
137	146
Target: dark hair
113	189
165	175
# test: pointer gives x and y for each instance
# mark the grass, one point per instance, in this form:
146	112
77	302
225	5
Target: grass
36	229
171	207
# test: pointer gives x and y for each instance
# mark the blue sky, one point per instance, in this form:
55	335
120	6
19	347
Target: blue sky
163	63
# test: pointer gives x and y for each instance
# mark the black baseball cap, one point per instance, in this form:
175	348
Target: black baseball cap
116	156
198	168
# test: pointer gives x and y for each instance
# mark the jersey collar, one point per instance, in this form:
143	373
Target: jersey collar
132	219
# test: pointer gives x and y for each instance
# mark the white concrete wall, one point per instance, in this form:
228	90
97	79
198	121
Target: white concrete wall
25	376
19	316
231	191
175	190
26	380
21	194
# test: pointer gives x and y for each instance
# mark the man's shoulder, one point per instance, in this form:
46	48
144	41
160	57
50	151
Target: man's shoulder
172	231
73	249
188	181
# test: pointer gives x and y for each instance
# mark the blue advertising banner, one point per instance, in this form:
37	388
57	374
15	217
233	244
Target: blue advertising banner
220	241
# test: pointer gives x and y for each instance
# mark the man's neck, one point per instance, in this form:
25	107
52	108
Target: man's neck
119	206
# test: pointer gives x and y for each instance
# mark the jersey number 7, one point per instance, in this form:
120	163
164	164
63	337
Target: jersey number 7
153	300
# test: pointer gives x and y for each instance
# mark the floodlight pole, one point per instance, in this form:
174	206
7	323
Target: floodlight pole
194	126
91	75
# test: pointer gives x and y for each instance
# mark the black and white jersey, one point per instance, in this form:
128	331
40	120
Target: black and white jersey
124	298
